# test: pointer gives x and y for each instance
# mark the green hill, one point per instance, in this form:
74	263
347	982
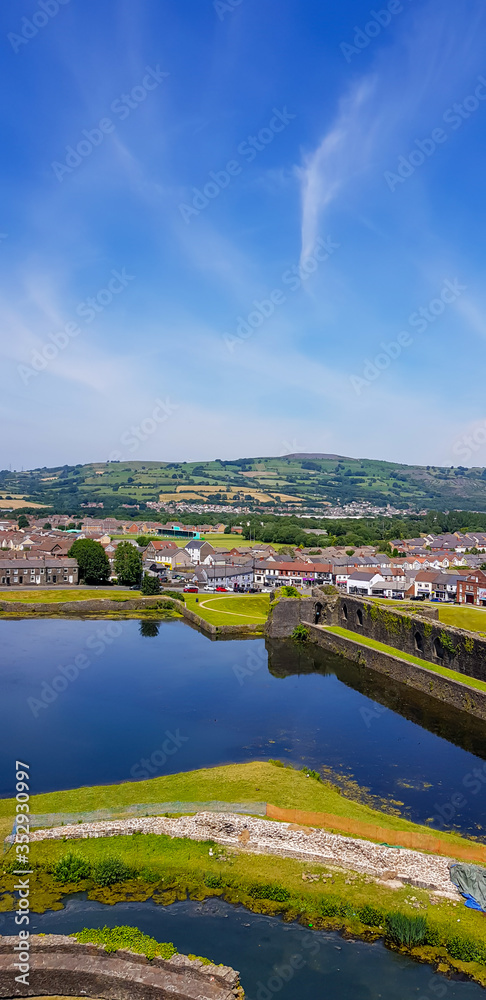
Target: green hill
290	483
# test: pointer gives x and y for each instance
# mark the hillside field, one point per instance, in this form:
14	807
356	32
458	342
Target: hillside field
290	481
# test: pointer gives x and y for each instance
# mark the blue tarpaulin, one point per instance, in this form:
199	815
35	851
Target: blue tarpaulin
471	882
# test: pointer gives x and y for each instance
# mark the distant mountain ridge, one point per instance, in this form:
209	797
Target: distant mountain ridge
319	455
288	483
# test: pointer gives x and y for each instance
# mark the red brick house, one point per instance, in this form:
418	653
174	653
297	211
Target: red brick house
472	590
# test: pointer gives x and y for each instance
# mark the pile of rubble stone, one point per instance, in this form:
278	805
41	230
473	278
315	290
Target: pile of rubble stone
260	836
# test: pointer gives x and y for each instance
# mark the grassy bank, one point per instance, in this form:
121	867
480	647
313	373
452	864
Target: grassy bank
363	640
254	782
59	596
472	619
320	896
224	609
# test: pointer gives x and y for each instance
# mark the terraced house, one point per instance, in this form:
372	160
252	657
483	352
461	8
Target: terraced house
38	572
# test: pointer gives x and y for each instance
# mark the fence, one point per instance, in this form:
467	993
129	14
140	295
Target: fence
430	842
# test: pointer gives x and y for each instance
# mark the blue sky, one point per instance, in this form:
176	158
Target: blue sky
258	197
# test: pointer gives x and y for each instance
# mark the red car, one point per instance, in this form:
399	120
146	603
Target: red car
190	590
220	590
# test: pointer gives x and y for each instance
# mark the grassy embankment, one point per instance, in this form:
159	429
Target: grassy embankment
363	640
35	602
253	782
165	869
225	609
217	609
58	596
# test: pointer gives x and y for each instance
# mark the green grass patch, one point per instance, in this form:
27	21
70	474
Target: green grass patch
223	609
472	619
253	782
363	640
54	596
115	938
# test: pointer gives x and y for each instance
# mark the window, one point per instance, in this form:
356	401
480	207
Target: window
438	649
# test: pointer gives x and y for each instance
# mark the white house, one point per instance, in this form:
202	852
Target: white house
362	581
221	576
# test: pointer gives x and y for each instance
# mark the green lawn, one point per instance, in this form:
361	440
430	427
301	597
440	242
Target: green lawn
363	640
473	619
228	541
223	609
58	596
254	782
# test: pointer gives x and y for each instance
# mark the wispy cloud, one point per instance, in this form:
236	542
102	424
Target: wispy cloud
342	152
432	59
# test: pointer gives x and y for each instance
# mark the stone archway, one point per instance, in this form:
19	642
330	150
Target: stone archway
318	609
419	642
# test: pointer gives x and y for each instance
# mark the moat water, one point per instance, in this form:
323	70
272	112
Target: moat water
102	720
261	949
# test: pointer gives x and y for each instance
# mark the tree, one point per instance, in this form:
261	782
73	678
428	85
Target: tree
150	585
149	630
93	562
128	564
227	530
143	541
47	526
23	521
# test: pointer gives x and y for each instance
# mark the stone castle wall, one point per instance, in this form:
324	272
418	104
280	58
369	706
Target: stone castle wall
421	635
60	966
443	689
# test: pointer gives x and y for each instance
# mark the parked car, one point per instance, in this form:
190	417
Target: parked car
221	590
190	590
210	589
